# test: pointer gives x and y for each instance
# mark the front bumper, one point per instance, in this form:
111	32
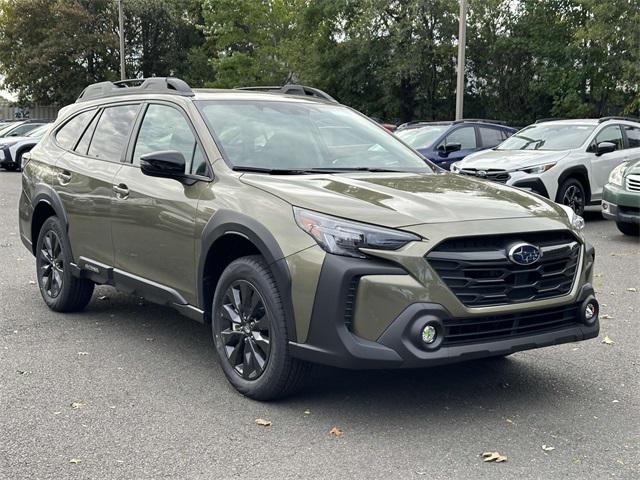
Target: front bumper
332	339
620	205
5	156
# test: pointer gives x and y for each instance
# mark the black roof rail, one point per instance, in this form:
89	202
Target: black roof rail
131	86
550	119
293	89
630	119
479	120
417	123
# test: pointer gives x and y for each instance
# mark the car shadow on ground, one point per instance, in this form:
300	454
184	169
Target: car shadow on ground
512	381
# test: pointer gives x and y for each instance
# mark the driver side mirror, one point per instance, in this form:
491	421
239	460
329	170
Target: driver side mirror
605	147
449	147
164	164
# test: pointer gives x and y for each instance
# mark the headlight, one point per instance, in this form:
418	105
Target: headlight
577	222
617	173
538	168
343	237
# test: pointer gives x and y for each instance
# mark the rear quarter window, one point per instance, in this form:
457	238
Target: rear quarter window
68	135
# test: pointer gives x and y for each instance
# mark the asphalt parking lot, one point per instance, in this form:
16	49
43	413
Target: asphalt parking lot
151	401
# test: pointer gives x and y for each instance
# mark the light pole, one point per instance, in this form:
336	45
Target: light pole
121	28
462	41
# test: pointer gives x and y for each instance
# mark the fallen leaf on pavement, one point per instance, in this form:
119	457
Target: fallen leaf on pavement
75	461
307	412
548	448
76	405
23	372
607	341
336	432
82	354
606	316
32	282
632	289
493	456
263	422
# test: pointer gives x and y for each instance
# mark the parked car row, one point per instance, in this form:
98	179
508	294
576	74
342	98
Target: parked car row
13	148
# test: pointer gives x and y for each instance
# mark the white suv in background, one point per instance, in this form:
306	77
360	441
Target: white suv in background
568	161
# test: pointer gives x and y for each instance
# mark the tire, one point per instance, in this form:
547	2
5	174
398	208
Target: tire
12	167
629	228
60	290
250	332
573	194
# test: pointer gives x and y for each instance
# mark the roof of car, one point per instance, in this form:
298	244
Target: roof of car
586	121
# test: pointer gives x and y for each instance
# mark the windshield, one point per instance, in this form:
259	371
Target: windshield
268	135
422	137
548	137
38	132
8	127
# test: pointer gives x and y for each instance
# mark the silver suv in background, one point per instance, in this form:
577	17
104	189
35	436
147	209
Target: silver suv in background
568	161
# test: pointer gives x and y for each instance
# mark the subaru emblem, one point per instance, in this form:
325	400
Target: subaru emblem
524	254
481	173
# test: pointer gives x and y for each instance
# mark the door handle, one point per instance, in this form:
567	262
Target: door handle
64	177
121	191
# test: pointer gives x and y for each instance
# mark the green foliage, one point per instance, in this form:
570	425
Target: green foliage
392	59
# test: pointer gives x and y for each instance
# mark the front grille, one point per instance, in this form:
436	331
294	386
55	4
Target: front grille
494	174
478	271
633	183
474	330
634	211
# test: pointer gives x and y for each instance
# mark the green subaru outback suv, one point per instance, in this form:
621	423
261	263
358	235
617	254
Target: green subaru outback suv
300	229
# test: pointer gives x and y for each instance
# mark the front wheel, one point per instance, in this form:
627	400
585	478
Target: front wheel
629	228
61	291
250	333
572	193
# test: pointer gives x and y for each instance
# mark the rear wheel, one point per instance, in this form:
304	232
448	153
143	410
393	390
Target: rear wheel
629	228
250	334
61	291
572	193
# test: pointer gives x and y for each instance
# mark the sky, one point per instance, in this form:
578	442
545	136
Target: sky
4	93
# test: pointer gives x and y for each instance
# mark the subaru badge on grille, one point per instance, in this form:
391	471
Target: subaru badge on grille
524	254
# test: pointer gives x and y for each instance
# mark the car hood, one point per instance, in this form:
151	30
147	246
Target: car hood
510	159
403	199
12	140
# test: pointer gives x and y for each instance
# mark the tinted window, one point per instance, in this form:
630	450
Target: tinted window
69	133
465	136
490	137
165	128
633	136
110	138
611	134
83	144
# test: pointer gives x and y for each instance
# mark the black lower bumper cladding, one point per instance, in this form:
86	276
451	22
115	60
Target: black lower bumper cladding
330	342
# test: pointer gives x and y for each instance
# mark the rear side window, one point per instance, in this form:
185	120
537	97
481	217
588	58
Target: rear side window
633	136
68	135
83	144
490	137
112	132
165	128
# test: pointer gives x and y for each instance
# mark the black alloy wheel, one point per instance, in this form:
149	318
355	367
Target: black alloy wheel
245	329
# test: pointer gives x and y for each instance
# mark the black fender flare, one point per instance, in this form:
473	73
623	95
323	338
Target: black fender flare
46	193
228	222
570	172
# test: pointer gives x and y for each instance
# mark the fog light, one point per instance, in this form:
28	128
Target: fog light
605	206
429	334
589	312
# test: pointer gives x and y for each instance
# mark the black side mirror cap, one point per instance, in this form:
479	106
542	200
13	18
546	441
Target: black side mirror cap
449	147
164	164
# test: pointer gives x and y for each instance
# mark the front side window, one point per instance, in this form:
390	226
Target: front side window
68	135
165	128
465	136
611	134
490	137
422	137
633	136
548	137
112	132
302	136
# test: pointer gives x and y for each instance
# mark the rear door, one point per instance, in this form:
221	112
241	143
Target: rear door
601	165
490	137
95	142
154	218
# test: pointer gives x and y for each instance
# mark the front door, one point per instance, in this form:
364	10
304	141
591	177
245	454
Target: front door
601	165
153	222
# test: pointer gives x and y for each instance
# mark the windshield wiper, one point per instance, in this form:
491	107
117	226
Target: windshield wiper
311	171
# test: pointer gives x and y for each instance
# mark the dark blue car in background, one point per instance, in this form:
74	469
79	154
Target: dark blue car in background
445	143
